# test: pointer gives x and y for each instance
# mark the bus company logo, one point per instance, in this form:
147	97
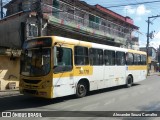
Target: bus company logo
6	114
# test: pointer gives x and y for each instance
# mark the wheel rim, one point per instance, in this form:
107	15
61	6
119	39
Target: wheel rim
130	81
81	89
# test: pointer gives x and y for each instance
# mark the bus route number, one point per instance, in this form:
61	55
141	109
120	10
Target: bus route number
83	71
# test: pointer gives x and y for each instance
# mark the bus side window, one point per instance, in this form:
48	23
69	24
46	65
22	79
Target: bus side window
62	59
139	59
120	58
135	59
143	60
129	59
109	57
96	56
81	55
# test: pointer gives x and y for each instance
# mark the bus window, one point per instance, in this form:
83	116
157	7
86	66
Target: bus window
143	59
120	58
109	57
36	62
81	55
135	59
139	59
129	59
96	56
62	59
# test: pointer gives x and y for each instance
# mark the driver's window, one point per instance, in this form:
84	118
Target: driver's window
62	59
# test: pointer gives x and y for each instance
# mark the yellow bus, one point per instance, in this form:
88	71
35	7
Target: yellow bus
54	66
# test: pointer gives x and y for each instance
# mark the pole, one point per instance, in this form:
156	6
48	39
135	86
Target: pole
1	9
39	15
147	46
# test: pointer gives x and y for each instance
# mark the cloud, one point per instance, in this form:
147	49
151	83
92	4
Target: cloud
141	10
129	10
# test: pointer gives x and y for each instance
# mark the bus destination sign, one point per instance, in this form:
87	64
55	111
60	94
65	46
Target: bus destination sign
35	43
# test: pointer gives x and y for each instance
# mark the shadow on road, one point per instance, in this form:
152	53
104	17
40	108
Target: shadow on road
23	101
110	89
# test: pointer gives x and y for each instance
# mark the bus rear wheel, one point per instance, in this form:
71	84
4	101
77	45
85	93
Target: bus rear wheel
129	81
81	90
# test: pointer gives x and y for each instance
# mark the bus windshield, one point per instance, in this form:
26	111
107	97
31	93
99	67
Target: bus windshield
35	62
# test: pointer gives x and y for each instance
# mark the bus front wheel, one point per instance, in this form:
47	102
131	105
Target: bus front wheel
129	81
81	90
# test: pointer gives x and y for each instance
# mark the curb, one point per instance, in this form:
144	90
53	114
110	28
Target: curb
9	90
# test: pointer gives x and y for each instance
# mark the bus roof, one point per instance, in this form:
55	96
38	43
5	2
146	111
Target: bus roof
64	40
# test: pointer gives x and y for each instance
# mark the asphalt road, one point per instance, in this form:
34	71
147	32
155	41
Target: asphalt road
143	96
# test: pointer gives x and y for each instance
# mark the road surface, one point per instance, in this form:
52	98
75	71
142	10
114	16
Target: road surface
143	96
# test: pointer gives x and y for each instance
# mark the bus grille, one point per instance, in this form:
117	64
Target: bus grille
31	81
30	91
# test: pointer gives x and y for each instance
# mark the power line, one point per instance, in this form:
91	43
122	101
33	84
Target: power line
133	4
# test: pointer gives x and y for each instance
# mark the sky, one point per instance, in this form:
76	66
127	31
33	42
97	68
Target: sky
139	13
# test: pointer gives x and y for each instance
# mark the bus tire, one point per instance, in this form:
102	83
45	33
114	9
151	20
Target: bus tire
129	81
81	90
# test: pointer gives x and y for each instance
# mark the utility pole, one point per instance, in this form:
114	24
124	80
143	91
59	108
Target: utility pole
148	36
1	9
39	17
147	45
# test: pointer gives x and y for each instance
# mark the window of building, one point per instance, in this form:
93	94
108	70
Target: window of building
120	58
20	7
94	21
81	55
56	3
62	59
33	30
109	57
96	56
55	9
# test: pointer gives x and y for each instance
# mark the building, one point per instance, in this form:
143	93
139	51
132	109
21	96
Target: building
77	18
158	57
68	18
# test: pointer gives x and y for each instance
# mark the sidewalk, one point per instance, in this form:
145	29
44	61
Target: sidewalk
154	73
11	92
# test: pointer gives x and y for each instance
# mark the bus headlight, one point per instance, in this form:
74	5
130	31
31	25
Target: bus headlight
45	84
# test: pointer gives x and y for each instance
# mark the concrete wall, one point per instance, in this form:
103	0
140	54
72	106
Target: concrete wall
10	31
9	71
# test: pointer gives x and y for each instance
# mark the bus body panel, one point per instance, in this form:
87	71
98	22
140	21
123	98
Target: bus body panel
139	73
62	86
